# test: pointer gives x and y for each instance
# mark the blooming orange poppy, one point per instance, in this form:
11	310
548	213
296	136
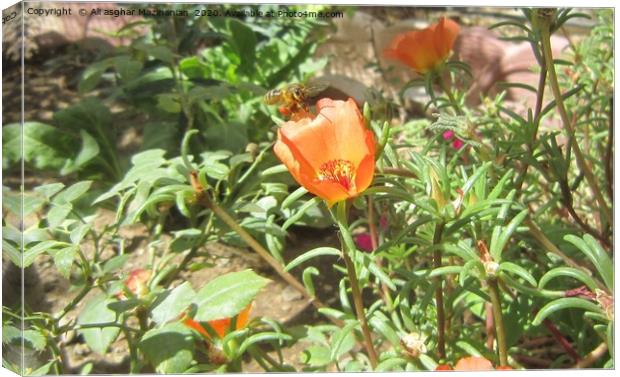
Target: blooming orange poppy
332	155
221	326
423	50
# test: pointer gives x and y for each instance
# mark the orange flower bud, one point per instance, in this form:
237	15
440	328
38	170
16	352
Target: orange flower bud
136	283
423	50
333	154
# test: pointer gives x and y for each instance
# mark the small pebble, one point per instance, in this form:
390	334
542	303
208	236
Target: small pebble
290	294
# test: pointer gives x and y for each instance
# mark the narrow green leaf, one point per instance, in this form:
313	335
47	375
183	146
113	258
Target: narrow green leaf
519	271
307	278
382	324
445	270
378	272
300	212
293	197
342	341
569	272
596	255
496	250
472	180
262	337
565	303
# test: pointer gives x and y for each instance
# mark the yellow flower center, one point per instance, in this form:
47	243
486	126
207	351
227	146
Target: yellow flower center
338	171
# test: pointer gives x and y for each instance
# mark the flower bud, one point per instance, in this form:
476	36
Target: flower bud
413	345
491	268
436	192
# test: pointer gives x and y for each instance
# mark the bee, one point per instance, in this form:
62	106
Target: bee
294	98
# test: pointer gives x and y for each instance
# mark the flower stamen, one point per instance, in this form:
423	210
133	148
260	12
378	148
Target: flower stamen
338	171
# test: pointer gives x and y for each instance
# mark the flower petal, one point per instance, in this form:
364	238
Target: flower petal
424	49
331	155
473	363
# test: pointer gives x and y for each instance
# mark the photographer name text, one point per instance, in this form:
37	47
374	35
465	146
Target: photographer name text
208	12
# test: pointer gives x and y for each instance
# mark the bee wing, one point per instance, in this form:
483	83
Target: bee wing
316	87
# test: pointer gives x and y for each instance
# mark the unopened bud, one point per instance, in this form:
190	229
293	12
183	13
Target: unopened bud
252	149
491	268
436	192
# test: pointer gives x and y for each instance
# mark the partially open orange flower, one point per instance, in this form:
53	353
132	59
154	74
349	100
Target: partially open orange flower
221	326
333	154
423	50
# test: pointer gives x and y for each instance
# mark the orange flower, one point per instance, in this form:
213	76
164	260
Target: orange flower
471	363
423	50
221	326
333	154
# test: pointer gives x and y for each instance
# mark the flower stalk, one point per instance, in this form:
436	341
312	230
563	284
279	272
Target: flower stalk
348	246
441	315
499	321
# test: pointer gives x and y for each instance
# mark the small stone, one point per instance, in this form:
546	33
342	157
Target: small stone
222	262
291	294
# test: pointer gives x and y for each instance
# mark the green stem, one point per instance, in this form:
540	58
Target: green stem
133	354
449	94
76	300
355	288
499	321
103	325
57	355
441	315
555	88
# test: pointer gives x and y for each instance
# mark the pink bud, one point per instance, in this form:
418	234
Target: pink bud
448	135
363	241
457	143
